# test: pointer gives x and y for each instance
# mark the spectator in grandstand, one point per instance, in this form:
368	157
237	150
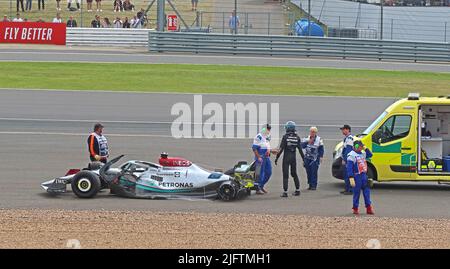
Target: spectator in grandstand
28	5
69	4
142	16
21	5
58	7
234	22
106	23
25	19
118	7
96	22
17	18
99	5
57	19
71	22
135	22
126	23
117	23
89	5
39	4
194	5
128	6
5	18
40	20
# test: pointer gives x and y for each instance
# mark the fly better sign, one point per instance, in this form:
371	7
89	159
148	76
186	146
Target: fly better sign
33	33
172	22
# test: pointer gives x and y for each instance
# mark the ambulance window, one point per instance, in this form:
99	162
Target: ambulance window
394	128
375	123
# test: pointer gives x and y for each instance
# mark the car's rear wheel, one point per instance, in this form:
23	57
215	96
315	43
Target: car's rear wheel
227	191
85	184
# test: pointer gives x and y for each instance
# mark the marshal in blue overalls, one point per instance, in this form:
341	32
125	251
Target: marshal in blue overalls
314	150
357	172
261	149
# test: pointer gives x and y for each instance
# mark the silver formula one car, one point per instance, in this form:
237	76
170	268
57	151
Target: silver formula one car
171	178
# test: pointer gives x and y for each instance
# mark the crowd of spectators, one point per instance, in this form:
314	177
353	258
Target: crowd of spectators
118	5
71	22
139	20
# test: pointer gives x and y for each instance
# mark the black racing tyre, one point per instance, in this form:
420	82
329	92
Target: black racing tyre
85	184
370	173
371	176
227	191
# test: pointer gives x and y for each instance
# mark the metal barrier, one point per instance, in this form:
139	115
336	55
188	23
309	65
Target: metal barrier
107	37
298	46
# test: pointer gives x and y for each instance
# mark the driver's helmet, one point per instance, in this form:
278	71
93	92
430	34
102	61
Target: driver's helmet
164	155
358	144
290	126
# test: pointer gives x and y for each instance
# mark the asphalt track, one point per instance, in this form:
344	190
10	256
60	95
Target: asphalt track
136	55
43	133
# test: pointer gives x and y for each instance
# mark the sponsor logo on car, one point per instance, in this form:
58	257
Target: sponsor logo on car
176	184
157	178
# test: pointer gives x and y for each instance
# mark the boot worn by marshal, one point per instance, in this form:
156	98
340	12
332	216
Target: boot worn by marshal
369	210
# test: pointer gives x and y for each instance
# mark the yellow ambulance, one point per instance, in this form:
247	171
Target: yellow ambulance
410	141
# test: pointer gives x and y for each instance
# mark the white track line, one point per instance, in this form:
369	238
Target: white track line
206	94
162	122
125	135
217	57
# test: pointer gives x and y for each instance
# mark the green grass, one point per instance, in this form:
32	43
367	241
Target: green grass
221	79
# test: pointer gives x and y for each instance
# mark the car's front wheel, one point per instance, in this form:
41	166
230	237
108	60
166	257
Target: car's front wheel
85	184
371	176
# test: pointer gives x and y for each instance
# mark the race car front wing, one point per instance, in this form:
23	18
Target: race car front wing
57	185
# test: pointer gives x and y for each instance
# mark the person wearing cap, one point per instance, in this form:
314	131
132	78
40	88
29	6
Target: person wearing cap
357	172
98	145
314	151
261	150
347	147
289	145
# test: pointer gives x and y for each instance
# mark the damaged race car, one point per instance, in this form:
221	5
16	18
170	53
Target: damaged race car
172	177
245	173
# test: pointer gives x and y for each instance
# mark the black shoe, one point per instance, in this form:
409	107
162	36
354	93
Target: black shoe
313	189
284	195
296	193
